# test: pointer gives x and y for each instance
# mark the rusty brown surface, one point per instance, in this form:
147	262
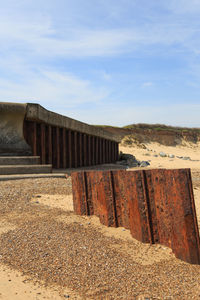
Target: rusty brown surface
156	205
80	198
172	209
100	194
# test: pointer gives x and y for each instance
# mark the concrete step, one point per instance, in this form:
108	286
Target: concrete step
19	160
25	169
31	176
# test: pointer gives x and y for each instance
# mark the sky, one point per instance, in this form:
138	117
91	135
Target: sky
114	62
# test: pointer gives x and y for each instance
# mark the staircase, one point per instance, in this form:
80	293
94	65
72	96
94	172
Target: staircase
10	165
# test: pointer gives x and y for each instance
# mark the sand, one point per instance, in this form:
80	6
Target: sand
47	252
166	162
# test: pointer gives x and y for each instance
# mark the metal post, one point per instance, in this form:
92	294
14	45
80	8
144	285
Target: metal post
42	143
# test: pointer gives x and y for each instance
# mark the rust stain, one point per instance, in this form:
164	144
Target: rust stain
156	205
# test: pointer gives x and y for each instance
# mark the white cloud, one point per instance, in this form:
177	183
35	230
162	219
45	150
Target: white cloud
33	42
39	37
52	89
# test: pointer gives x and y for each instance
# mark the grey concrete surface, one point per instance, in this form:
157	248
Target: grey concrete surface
30	176
36	112
12	116
25	169
19	160
11	129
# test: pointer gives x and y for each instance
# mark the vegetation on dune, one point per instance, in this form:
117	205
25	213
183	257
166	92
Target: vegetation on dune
160	127
153	127
145	133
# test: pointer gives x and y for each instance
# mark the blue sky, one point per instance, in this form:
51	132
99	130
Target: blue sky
113	62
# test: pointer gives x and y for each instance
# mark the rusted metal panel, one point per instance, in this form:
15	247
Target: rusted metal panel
93	150
139	219
103	151
89	151
156	205
100	151
131	203
64	149
172	209
117	151
80	149
80	198
57	141
84	150
120	188
49	135
75	150
34	138
42	143
97	151
56	145
106	151
69	146
112	152
109	151
100	190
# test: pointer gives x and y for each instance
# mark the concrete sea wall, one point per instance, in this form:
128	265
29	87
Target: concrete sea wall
30	129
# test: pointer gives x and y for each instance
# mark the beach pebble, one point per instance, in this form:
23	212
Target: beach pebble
144	164
162	154
186	158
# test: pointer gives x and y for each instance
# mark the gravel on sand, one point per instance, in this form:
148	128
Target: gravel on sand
78	255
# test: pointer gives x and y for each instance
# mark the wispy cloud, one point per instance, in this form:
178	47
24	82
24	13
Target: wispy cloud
40	37
52	89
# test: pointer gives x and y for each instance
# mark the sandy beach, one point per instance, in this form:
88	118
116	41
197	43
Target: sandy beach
47	252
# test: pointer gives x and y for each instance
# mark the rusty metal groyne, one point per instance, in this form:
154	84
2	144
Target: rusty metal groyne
156	205
30	129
